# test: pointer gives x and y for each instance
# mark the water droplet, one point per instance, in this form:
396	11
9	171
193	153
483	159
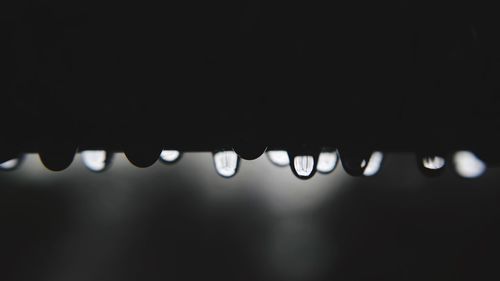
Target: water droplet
433	162
468	165
96	160
327	161
143	156
57	157
354	161
374	164
279	157
250	151
170	156
303	166
226	163
431	165
7	154
10	165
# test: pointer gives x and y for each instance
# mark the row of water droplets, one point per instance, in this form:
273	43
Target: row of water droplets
227	162
327	162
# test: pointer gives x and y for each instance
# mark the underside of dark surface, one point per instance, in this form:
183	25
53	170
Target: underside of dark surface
393	75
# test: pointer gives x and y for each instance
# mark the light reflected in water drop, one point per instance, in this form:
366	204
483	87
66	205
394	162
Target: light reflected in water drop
226	163
327	161
279	157
468	165
9	164
304	165
169	156
95	160
433	162
374	164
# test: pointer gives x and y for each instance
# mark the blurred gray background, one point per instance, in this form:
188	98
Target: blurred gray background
183	221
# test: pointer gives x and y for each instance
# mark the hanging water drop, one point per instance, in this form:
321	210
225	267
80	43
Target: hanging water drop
468	165
226	163
431	165
96	160
327	161
143	156
433	162
278	157
8	153
250	151
374	164
303	161
10	165
304	165
57	156
354	161
170	156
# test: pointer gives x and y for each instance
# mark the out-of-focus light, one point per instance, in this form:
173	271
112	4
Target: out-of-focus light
374	164
9	164
468	165
226	163
169	156
95	160
304	165
433	163
278	157
327	162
